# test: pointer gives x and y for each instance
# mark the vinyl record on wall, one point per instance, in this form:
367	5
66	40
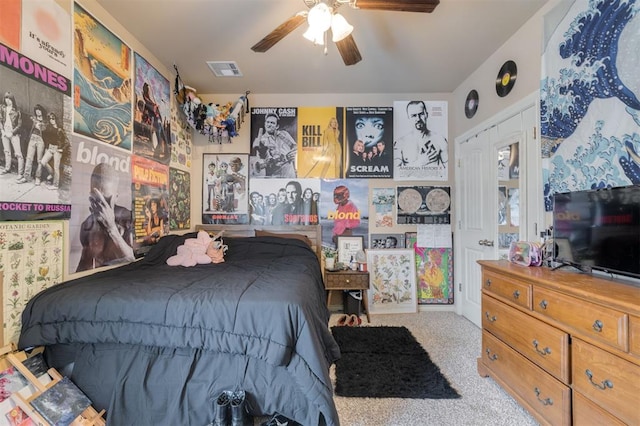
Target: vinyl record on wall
506	78
471	104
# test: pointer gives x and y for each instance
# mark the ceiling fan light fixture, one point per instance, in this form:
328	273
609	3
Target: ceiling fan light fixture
314	35
319	17
340	28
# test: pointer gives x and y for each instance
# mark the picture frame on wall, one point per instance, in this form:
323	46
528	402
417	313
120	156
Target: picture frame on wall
392	281
348	247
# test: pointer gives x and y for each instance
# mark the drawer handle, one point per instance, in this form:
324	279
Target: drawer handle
516	294
598	326
546	401
602	385
546	351
490	318
543	304
347	281
488	282
492	357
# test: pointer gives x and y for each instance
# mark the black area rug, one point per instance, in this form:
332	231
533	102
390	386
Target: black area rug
386	362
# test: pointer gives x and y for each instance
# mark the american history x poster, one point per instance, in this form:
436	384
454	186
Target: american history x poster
320	142
369	132
274	147
102	91
101	198
420	147
35	171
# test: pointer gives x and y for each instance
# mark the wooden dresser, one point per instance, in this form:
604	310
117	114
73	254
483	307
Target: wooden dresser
565	345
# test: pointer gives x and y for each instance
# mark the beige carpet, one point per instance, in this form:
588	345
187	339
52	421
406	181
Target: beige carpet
454	344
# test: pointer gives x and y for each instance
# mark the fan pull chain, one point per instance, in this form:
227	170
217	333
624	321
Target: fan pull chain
326	38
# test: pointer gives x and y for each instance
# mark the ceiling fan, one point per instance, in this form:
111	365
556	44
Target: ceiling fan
322	15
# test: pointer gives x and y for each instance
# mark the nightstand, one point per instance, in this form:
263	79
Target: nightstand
348	280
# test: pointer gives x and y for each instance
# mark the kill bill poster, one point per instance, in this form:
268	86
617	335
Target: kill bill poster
150	192
320	142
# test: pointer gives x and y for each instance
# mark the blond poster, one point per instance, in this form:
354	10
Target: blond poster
320	142
101	198
46	33
150	192
30	261
101	82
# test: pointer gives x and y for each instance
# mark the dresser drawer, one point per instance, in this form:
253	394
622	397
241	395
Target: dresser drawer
586	413
544	396
634	335
611	382
346	281
543	344
604	324
511	290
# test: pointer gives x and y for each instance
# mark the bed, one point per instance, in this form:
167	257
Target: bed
156	344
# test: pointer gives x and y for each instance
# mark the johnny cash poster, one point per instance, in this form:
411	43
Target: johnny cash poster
274	147
369	132
420	147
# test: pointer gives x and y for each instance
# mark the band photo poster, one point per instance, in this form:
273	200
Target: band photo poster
420	147
224	188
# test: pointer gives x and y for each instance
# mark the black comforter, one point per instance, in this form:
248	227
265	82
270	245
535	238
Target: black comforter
256	322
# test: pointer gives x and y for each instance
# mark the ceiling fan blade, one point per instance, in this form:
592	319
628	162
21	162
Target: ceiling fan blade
279	33
424	6
348	50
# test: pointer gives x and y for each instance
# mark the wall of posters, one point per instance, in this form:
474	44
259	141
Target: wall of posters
320	142
274	146
31	259
420	147
101	82
369	132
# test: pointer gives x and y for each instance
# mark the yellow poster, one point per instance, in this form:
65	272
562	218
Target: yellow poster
320	147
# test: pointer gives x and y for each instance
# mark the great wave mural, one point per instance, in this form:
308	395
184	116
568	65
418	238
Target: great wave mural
590	111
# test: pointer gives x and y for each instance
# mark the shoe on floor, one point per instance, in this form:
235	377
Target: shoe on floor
354	321
342	320
21	179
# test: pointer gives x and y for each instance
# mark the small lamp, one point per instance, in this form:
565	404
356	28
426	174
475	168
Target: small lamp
340	28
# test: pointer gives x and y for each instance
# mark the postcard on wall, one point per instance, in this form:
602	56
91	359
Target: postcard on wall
421	147
387	241
384	199
181	138
434	236
102	92
179	199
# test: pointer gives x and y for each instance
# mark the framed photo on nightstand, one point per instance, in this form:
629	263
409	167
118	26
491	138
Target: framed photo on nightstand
348	247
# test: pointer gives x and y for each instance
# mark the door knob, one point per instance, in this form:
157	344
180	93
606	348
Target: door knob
488	243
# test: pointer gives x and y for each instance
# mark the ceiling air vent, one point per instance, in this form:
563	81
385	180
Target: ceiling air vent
224	68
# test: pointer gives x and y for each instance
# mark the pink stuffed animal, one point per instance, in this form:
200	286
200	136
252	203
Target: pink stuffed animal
193	251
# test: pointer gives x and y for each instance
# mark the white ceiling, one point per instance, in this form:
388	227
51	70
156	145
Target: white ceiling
403	52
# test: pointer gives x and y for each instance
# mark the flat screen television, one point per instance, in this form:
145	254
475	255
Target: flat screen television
598	229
